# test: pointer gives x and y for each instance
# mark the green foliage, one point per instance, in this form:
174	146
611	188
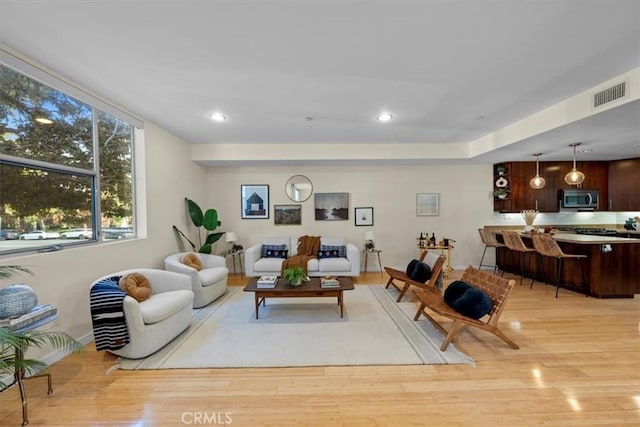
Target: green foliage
14	345
208	221
8	271
32	194
294	275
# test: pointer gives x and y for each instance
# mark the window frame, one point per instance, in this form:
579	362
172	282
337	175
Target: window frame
48	78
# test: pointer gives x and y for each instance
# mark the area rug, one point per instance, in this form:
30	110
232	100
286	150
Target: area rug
375	330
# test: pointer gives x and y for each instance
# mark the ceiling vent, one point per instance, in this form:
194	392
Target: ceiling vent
610	94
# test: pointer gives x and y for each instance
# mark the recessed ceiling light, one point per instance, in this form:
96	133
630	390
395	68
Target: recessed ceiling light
218	117
44	120
384	117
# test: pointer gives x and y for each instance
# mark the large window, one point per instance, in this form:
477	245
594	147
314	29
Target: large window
66	168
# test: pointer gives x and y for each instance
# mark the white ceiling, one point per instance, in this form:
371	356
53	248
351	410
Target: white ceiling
269	65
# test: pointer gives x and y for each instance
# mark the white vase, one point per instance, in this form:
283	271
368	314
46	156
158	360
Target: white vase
529	228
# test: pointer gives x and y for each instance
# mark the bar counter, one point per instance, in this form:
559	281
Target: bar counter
611	269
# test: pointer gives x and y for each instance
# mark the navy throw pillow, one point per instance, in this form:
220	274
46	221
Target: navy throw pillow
411	266
340	250
274	251
421	272
468	300
454	291
326	253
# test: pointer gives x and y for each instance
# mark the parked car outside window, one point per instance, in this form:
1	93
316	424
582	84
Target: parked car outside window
40	235
117	233
9	234
77	233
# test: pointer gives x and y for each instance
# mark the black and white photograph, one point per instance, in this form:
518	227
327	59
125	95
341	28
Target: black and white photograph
363	216
331	206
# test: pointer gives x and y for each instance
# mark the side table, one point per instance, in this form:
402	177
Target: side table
365	259
19	374
233	255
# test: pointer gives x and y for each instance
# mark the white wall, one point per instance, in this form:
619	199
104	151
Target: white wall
465	204
63	278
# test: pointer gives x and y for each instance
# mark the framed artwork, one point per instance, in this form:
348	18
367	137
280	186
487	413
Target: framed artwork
427	204
287	214
331	206
363	216
255	201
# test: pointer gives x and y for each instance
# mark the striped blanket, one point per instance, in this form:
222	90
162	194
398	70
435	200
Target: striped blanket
109	324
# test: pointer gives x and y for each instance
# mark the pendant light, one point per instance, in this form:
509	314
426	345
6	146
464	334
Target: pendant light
537	182
575	177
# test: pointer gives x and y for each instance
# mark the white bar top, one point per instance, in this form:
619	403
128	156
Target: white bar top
588	239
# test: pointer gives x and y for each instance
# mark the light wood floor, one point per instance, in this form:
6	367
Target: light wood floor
578	364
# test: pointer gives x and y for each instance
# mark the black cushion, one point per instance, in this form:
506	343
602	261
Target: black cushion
418	271
411	266
467	299
454	291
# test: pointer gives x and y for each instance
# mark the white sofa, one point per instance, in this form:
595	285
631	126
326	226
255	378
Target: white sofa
256	266
154	322
207	284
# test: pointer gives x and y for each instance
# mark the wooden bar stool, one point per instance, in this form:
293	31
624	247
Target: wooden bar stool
545	245
514	242
490	241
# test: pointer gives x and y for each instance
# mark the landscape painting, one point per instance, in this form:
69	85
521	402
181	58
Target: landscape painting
331	206
287	214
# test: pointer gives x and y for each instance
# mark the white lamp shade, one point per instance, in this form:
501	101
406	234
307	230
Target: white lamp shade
230	236
369	235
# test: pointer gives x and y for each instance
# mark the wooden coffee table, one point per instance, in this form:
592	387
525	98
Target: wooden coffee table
310	289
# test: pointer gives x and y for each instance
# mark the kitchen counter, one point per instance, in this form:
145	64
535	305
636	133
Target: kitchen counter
611	269
588	239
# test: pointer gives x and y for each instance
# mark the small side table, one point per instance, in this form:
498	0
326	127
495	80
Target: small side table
19	374
233	255
365	259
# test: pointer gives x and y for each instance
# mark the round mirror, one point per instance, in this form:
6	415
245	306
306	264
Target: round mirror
298	188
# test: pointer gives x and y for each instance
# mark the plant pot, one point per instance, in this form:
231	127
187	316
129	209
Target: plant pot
296	283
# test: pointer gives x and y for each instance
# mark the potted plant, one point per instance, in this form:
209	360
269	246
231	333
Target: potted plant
207	220
295	276
501	193
14	345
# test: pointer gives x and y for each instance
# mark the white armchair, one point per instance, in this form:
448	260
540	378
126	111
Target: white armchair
154	322
207	284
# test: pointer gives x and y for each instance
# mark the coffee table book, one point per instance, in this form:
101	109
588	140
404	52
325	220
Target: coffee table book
329	282
266	282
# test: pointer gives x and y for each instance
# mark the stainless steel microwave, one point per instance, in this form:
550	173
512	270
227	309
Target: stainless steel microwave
579	199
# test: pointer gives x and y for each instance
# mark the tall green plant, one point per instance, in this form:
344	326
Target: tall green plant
14	345
208	221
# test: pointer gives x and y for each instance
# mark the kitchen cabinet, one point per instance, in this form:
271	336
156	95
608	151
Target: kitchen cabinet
522	196
624	185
